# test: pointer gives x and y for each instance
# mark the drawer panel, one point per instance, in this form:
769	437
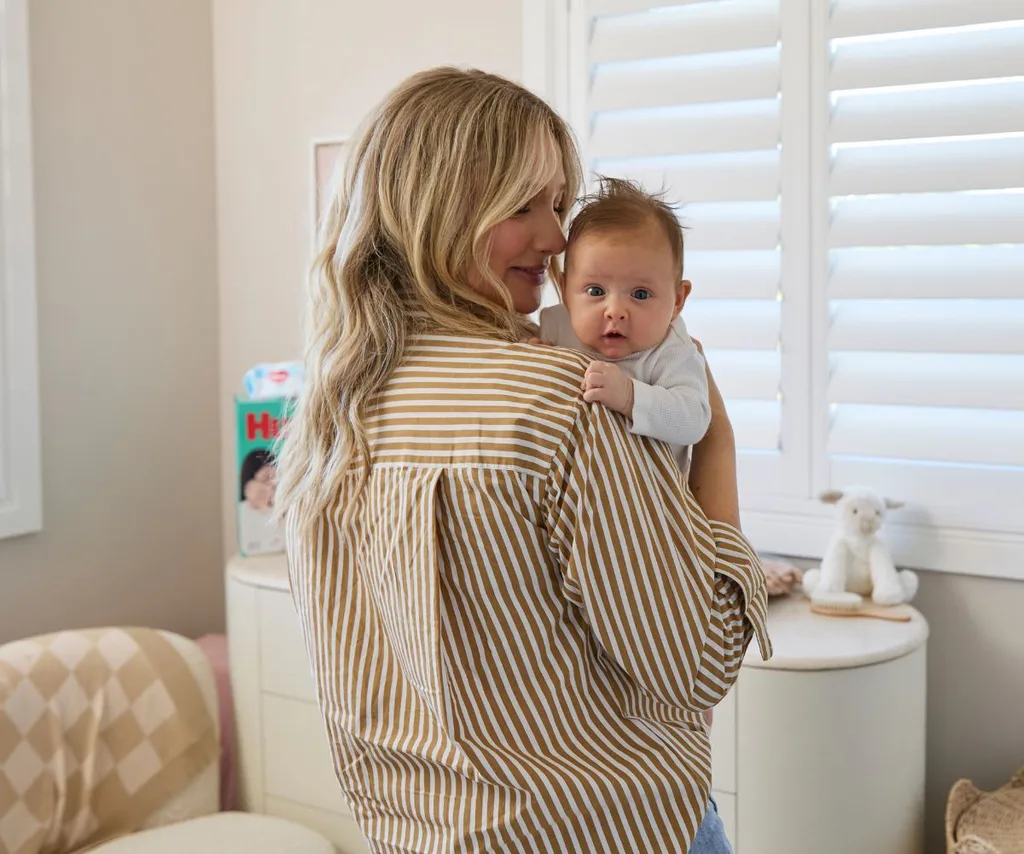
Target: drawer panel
727	810
284	666
296	759
341	830
723	744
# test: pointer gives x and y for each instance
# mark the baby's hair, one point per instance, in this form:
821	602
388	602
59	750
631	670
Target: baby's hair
623	205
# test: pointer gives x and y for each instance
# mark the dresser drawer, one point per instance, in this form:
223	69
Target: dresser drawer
723	744
284	666
296	758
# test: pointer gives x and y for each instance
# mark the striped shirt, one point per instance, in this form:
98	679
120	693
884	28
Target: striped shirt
515	633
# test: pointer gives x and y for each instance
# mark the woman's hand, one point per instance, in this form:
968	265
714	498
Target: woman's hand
713	462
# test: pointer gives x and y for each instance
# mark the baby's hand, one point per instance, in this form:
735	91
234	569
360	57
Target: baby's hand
538	342
607	383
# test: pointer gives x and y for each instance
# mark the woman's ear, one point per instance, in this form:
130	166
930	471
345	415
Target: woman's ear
682	292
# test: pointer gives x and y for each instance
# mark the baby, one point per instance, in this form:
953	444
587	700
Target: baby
622	291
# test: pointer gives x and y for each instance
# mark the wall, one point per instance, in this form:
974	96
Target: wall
289	72
122	103
975	686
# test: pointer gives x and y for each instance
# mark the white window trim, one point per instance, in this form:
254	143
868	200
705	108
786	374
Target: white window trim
20	468
797	528
545	37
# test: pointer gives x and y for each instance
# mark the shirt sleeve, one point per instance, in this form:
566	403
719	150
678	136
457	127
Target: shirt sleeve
672	597
675	406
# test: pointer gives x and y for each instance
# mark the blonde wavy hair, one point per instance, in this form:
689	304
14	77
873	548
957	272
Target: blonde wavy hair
448	155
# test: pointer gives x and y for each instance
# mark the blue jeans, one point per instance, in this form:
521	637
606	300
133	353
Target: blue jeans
711	838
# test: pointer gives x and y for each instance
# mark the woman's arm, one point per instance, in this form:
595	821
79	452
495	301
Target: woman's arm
673	597
713	462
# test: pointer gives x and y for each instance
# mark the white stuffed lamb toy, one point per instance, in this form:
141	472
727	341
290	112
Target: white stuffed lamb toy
857	562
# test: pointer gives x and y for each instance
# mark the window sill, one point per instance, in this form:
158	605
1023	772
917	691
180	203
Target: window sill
959	551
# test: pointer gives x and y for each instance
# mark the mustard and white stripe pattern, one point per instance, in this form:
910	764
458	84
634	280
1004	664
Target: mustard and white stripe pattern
513	638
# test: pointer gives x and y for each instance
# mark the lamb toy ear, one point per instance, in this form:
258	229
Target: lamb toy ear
893	505
833	496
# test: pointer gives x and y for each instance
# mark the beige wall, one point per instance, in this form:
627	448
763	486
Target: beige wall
122	103
288	73
975	686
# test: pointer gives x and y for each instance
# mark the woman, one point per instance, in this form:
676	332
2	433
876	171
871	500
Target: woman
516	613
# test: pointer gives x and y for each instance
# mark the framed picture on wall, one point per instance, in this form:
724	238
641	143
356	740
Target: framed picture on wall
328	160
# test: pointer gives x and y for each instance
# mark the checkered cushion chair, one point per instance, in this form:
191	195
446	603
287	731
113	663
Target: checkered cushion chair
109	741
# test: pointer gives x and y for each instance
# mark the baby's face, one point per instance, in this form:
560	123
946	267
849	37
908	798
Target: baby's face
622	290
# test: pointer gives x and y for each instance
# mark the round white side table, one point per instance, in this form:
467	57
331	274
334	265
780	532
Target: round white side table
830	736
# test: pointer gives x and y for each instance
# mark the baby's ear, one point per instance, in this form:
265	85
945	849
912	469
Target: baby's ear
682	292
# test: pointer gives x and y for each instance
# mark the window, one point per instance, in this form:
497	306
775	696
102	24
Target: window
20	490
852	177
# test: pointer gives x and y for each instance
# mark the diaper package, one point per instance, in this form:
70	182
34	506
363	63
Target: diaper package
260	415
274	380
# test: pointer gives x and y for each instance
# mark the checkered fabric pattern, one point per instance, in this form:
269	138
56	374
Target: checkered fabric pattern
98	730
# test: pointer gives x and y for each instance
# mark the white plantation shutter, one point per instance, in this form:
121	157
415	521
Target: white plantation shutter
919	232
852	176
688	97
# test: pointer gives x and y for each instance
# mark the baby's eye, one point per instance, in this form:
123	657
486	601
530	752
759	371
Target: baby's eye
594	291
641	294
522	211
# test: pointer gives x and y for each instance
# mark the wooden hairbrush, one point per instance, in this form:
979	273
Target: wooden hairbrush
838	608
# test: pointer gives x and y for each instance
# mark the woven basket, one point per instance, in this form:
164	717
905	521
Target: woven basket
980	822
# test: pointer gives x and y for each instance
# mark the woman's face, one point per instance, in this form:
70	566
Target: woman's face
523	245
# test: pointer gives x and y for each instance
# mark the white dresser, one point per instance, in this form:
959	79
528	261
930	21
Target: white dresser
825	742
829	737
284	765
